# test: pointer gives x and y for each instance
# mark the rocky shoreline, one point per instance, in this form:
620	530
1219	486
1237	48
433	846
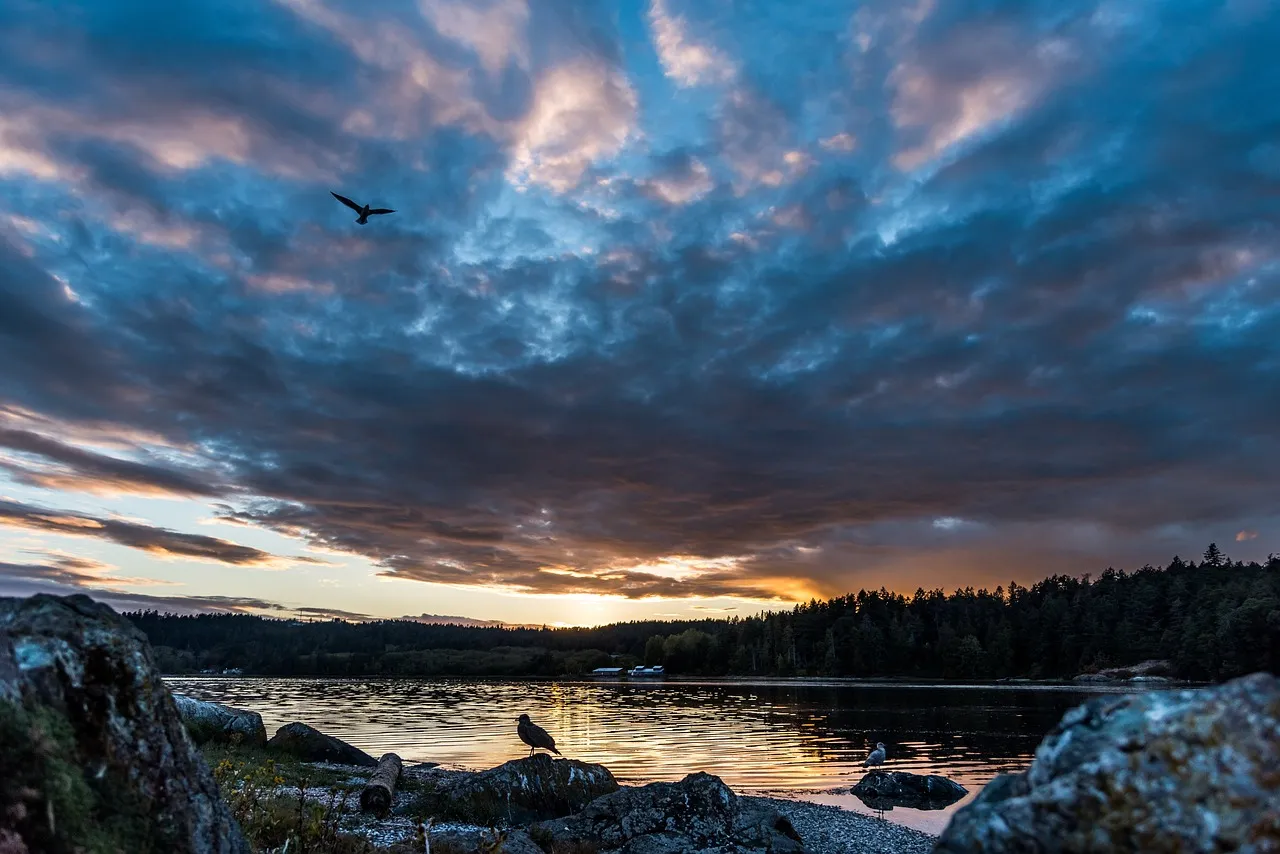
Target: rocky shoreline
824	829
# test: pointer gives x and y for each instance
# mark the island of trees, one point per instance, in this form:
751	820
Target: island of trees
1213	620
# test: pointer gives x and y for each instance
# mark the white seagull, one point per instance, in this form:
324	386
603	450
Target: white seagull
364	210
876	757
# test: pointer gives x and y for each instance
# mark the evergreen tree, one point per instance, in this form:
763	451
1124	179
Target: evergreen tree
1210	625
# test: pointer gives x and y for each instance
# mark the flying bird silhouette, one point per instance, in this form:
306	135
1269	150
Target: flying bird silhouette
364	210
535	736
876	757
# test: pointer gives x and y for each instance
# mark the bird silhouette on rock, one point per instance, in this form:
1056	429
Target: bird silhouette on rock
364	210
535	736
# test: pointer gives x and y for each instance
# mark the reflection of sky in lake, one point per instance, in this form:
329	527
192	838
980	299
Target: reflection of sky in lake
787	739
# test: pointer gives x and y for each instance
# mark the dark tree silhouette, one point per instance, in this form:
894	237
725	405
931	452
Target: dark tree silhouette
1214	620
1213	555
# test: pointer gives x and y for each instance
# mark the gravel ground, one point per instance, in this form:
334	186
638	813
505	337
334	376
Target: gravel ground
831	830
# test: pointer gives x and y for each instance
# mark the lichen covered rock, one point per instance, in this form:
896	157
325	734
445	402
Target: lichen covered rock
516	792
214	722
885	790
94	757
1162	772
699	813
310	744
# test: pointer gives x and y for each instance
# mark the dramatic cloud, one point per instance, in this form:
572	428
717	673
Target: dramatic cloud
681	179
685	59
680	304
69	570
582	112
136	536
61	466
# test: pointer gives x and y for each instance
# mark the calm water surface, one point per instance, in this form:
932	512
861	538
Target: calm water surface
788	739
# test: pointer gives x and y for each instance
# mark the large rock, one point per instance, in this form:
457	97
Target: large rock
517	792
1175	771
93	755
699	813
310	744
884	790
214	722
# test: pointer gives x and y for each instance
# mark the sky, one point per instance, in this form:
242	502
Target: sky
688	308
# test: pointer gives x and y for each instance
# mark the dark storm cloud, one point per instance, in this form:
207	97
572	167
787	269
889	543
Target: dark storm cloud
72	571
1032	288
133	535
83	469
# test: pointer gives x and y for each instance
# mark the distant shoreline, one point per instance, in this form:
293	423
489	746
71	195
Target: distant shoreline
809	681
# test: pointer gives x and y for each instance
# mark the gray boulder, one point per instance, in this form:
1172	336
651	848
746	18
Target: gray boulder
515	793
1159	772
884	790
311	745
698	814
93	754
214	722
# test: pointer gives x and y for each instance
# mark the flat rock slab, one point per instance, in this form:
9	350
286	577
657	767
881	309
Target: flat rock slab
1161	773
698	814
310	744
517	792
93	753
884	790
214	722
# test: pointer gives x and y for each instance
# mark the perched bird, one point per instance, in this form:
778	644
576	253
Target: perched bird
535	736
365	211
876	756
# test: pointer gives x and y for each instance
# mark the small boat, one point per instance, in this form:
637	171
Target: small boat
656	672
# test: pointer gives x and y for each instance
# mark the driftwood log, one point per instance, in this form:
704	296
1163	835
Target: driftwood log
381	789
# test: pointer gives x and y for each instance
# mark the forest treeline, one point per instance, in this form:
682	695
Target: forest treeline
1213	620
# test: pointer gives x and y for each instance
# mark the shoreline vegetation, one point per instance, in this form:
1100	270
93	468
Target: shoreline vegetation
1209	621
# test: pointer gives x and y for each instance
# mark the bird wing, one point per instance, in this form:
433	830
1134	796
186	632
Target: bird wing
381	211
346	201
543	737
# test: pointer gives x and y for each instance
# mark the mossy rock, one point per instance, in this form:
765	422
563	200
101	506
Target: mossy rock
50	802
94	758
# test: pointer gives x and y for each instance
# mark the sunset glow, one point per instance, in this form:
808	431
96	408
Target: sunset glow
684	309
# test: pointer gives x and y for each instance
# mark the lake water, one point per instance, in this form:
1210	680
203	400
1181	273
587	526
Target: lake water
787	739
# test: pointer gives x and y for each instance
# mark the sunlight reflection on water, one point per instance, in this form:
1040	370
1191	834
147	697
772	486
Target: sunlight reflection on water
788	739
